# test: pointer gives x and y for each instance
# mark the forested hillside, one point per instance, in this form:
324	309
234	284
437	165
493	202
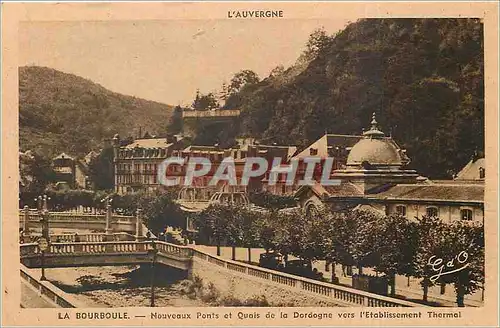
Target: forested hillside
63	112
423	78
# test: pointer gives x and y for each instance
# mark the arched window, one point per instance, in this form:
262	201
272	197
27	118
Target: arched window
401	210
466	214
432	211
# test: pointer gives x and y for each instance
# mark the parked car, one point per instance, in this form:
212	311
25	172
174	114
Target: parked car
299	268
271	261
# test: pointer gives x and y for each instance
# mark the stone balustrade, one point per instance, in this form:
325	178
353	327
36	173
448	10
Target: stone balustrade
344	295
337	294
109	222
90	237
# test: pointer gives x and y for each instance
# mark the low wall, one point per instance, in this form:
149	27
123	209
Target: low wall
47	290
244	281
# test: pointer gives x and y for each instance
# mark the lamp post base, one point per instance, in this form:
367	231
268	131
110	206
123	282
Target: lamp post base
108	235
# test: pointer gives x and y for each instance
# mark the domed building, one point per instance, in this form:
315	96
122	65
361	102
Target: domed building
376	162
376	177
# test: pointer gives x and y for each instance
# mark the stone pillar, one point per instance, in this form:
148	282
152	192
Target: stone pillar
114	165
45	206
109	217
26	217
44	218
138	225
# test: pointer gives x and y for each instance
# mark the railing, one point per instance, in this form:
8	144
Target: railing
171	249
33	215
211	113
344	295
111	247
86	238
45	288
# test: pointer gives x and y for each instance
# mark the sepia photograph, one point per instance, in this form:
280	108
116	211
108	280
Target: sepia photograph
253	161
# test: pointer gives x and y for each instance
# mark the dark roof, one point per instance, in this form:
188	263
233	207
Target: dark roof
447	192
342	140
342	190
149	143
327	142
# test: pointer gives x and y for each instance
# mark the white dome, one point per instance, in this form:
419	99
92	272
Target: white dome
376	151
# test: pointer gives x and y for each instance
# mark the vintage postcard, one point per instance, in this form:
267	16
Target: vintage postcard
250	164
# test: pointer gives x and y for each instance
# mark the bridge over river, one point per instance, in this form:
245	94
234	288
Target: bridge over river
228	276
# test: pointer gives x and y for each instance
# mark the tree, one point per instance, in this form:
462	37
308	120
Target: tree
205	102
160	210
36	172
242	79
318	41
248	225
266	228
216	223
277	71
175	122
395	243
430	235
462	249
288	232
271	201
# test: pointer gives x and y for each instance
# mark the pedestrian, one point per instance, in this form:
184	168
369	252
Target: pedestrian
335	279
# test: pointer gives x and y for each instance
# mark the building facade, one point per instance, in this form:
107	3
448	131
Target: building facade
70	172
200	188
136	164
376	178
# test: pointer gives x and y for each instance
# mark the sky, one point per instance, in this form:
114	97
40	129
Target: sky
166	61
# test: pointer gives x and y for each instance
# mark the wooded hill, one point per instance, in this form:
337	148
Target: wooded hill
61	112
423	77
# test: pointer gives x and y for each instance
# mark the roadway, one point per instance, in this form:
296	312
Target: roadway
31	298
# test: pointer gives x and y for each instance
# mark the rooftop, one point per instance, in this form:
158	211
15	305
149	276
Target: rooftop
63	156
343	190
323	145
149	143
471	170
439	191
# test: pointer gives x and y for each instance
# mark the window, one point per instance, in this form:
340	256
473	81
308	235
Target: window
313	151
466	214
401	210
432	212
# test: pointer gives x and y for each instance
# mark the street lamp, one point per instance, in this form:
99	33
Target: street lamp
43	245
154	251
215	230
